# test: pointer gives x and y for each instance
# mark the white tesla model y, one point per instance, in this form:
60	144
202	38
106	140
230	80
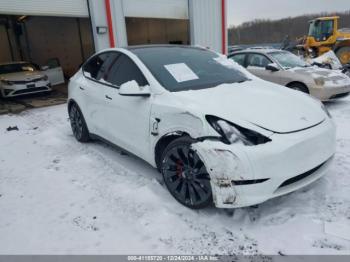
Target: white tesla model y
217	133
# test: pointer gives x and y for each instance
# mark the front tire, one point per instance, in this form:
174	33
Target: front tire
78	124
185	174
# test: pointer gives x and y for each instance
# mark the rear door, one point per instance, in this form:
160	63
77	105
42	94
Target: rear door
93	88
256	64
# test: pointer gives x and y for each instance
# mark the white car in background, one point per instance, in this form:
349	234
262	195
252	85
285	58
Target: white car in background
20	78
216	132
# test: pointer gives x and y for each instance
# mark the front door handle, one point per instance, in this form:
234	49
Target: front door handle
81	88
108	97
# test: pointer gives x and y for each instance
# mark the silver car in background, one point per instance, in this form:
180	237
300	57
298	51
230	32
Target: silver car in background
287	69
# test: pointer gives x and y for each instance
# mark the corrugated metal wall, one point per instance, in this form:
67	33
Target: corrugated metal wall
170	9
206	23
72	8
205	19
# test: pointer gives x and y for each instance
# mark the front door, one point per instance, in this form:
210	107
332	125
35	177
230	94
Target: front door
126	117
256	64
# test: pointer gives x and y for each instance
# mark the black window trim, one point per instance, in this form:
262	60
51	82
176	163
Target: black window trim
106	84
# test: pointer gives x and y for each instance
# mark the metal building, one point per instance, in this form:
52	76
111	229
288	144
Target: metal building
71	30
129	22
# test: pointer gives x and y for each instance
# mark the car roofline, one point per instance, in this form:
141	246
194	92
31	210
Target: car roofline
136	47
257	51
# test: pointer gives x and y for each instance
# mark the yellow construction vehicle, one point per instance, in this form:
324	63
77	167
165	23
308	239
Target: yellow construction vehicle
324	36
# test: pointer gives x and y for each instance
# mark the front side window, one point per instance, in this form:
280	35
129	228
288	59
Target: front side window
183	68
239	58
123	70
16	68
258	60
288	60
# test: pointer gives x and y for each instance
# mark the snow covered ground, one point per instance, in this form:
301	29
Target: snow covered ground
58	196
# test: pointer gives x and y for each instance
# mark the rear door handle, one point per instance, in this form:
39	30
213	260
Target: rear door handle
109	98
81	88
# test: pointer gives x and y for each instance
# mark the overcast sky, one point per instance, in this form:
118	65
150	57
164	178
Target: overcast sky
240	11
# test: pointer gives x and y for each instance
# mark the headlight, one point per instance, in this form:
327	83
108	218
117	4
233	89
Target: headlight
319	81
6	82
326	110
232	133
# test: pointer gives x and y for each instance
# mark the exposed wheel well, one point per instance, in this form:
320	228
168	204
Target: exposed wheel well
294	83
163	143
70	103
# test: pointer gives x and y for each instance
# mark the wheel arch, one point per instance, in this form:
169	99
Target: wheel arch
163	142
290	84
70	103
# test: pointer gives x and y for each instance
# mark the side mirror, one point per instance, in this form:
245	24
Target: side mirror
272	67
44	68
132	88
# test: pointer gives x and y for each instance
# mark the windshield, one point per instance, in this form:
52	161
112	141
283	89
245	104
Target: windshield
183	68
15	68
288	60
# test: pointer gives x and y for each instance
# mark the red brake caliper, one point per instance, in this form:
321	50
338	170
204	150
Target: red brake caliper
179	168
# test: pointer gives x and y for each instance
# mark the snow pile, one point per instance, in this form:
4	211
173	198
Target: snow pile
58	196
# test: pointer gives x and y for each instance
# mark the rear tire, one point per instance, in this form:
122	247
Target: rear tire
78	124
185	174
299	87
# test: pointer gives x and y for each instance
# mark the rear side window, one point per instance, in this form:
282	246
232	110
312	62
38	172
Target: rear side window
124	70
239	58
98	66
258	60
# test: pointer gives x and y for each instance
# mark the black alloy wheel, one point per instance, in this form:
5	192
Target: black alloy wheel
185	174
78	124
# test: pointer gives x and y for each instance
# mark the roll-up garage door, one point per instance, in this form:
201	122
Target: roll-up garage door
168	9
67	8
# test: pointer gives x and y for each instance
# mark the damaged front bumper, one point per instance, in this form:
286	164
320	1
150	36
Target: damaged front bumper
249	175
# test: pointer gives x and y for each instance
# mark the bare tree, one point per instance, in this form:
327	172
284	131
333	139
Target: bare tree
262	31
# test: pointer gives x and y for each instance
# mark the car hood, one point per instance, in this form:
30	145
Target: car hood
269	106
22	76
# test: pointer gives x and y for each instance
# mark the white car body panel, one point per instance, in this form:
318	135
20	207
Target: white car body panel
303	136
55	75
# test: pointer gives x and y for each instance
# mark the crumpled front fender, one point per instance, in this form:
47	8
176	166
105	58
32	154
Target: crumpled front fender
225	164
